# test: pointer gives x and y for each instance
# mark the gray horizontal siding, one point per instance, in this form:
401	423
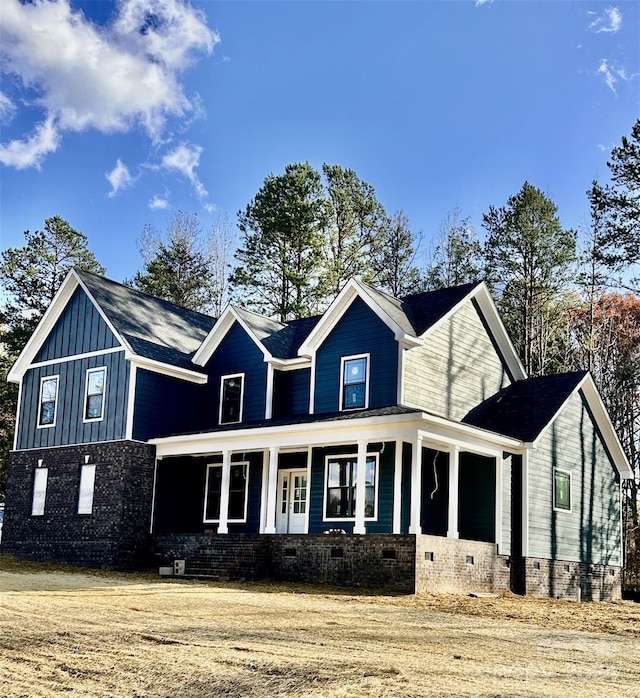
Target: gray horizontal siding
590	532
79	330
70	427
457	368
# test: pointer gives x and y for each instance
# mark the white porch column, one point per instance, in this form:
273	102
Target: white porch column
416	486
397	489
498	523
454	494
272	491
361	488
223	525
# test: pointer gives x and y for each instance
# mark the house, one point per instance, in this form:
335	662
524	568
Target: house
388	443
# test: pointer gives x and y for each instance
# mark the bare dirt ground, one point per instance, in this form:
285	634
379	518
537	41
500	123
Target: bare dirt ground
86	634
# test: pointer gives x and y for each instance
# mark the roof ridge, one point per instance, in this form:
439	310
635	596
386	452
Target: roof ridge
138	292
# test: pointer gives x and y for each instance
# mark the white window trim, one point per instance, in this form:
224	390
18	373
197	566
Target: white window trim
210	467
343	360
570	475
354	457
41	489
55	406
86	394
222	380
86	489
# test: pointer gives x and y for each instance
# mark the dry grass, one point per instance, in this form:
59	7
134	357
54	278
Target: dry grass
97	634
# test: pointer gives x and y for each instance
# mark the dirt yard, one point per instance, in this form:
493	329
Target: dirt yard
80	634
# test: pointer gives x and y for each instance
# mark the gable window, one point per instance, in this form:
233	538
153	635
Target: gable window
561	490
238	484
341	479
94	394
231	393
354	387
40	477
87	484
48	401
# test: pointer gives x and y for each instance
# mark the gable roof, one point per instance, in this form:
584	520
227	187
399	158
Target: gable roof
150	328
525	409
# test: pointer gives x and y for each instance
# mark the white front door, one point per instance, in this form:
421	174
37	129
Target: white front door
292	501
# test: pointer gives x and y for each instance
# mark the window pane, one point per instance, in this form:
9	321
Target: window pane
355	370
237	490
47	412
87	482
562	490
49	388
94	407
95	382
354	395
231	397
212	510
39	491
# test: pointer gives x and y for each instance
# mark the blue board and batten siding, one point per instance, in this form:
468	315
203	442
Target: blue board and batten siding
359	331
70	427
80	329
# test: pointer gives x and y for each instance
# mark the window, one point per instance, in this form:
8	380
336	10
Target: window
231	390
40	478
48	401
341	478
87	483
238	482
561	490
94	396
354	393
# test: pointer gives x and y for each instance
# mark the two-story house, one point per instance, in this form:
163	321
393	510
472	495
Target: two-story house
389	442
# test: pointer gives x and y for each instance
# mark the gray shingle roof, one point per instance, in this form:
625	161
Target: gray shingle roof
154	328
525	408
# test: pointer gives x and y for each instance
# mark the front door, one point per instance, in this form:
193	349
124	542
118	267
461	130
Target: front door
292	501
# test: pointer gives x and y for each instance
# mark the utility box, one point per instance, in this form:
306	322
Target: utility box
178	568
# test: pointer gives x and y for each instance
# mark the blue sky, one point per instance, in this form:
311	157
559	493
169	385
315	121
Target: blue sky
118	114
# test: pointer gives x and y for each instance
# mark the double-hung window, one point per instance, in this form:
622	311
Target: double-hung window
238	484
341	492
354	385
94	394
48	401
561	490
231	395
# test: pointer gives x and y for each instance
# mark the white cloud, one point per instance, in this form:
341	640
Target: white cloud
31	151
611	75
158	203
7	108
109	78
479	3
610	21
185	159
119	178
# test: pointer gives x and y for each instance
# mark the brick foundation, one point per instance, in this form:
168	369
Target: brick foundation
573	580
463	566
371	561
116	533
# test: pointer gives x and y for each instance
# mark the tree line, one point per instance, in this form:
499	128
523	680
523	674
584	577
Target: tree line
569	302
